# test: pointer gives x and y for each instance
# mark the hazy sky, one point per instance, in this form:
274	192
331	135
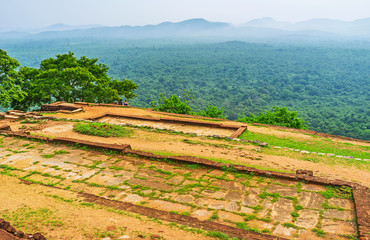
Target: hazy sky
16	14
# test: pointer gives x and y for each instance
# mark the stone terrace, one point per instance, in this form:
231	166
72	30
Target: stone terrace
272	206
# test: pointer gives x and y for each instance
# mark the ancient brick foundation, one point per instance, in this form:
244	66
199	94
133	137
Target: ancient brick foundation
173	217
237	133
8	232
62	107
361	193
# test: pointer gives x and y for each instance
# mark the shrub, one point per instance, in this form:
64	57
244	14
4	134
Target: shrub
277	116
211	111
172	104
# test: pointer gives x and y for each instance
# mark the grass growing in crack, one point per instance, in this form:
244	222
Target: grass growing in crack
101	129
244	226
230	168
9	168
60	198
257	208
338	192
115	168
56	152
249	217
318	232
214	216
291	225
189	187
275	196
15	151
164	172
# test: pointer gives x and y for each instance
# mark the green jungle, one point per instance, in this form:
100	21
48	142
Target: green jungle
327	85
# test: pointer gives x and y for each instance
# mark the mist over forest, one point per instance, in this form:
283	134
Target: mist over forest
319	68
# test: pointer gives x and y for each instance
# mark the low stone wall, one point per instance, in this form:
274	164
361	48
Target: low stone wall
361	193
239	130
61	106
93	145
101	104
173	217
362	206
12	233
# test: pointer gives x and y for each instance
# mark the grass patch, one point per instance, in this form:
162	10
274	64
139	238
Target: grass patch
27	219
275	196
318	232
337	192
15	151
115	168
30	120
219	235
291	225
214	216
56	152
48	113
244	226
101	129
313	145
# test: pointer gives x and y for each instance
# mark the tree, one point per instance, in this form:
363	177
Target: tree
277	116
66	78
10	80
172	104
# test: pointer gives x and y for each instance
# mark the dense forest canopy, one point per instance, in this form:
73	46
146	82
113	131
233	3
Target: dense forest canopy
328	86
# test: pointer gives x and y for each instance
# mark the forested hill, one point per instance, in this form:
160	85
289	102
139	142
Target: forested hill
328	86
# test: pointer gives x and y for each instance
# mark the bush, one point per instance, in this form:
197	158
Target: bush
172	104
211	111
277	116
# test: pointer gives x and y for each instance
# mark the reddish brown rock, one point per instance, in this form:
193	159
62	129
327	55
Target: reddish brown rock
38	236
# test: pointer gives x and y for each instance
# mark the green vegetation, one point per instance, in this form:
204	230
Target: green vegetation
214	216
291	225
318	232
31	220
10	80
313	145
101	129
338	192
274	196
64	78
277	116
244	78
173	104
241	78
211	111
30	120
219	235
56	152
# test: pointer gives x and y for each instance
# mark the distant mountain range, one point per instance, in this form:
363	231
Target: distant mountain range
264	28
359	27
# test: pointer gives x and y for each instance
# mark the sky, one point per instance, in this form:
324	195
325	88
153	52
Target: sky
33	14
